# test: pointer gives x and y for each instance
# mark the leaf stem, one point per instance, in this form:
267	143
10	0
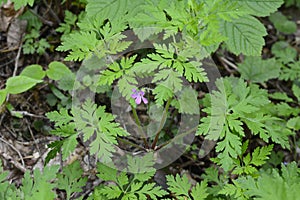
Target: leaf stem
135	115
132	144
161	125
177	137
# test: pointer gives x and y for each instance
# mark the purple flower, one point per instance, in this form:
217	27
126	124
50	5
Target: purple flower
139	96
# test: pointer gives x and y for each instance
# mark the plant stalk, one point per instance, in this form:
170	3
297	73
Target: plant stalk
161	125
135	115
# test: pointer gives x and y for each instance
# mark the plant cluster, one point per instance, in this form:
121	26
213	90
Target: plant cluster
245	120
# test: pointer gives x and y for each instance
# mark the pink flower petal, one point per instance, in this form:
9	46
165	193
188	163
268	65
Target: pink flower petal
144	100
138	100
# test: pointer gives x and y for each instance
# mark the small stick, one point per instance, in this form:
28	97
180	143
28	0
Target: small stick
15	163
16	150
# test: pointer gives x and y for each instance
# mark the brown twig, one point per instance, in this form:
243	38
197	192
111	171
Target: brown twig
16	150
227	63
16	66
52	12
33	138
15	163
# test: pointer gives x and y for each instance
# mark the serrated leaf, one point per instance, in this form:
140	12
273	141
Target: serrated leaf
81	44
92	120
55	149
19	3
296	91
260	155
69	146
107	8
284	52
244	35
260	8
281	96
282	24
60	118
162	94
70	179
178	185
200	192
294	123
41	187
257	70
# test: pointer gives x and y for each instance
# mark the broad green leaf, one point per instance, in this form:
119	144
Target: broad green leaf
19	3
284	52
19	84
109	8
2	96
57	70
244	35
257	70
33	71
260	8
282	24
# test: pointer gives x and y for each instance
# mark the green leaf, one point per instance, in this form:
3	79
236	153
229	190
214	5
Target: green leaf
148	190
57	70
60	118
142	167
180	186
2	96
284	52
71	179
290	71
260	8
188	102
281	96
81	44
41	186
296	91
90	120
162	94
257	70
294	123
271	185
260	155
55	148
19	3
200	192
232	107
244	35
282	24
33	71
250	162
110	8
19	84
194	73
69	146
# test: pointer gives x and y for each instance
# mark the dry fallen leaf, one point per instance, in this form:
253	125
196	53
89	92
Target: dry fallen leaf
15	32
8	14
